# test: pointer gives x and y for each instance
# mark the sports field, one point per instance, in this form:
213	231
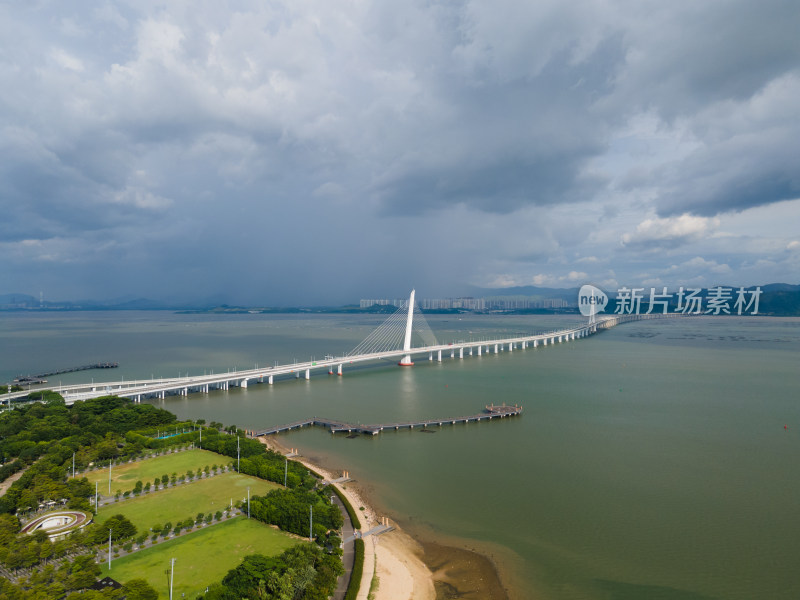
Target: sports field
124	477
202	557
186	500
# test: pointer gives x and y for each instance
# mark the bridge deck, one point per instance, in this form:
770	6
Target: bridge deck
138	390
491	412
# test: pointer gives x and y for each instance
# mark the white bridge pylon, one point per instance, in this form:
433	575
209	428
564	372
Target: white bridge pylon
398	333
406	361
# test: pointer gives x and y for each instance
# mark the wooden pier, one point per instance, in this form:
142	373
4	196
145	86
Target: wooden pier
491	411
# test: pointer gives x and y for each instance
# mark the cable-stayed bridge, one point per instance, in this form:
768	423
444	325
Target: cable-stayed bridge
404	336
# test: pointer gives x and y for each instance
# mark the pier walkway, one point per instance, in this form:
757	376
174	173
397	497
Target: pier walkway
491	412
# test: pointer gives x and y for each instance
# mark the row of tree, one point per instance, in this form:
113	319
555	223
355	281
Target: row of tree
294	510
303	572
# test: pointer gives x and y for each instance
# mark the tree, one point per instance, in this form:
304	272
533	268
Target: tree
121	528
83	573
139	589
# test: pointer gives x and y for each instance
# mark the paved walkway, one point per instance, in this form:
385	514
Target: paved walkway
348	552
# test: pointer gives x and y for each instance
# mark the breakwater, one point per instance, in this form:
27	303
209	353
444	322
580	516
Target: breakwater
40	378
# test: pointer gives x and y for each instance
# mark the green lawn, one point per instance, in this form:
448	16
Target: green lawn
124	477
186	500
202	558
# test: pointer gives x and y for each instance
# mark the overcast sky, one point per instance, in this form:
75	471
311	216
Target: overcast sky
321	152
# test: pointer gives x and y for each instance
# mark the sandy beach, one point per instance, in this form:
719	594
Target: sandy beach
394	557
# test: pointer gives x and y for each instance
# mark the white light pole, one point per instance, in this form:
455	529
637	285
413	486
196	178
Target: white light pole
310	523
73	465
96	507
285	472
109	476
171	575
109	550
237	455
248	502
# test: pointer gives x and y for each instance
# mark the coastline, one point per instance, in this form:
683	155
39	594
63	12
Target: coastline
406	567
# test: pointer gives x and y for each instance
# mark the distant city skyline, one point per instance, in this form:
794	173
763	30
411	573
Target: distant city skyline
286	153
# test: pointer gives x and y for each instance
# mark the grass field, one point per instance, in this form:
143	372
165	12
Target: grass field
202	558
183	501
124	477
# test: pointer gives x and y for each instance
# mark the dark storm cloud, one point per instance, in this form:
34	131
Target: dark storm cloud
306	150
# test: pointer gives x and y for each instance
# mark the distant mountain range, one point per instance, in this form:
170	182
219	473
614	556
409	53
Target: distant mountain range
26	301
776	299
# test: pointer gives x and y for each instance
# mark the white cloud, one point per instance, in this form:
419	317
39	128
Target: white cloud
670	231
66	60
139	198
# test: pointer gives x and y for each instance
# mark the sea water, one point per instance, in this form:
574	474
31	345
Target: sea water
658	459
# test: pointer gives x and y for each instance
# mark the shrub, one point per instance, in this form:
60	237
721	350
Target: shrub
358	567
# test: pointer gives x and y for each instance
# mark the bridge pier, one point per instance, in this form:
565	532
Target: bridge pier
439	356
452	352
511	346
308	373
461	352
430	356
479	350
495	349
270	380
243	383
339	372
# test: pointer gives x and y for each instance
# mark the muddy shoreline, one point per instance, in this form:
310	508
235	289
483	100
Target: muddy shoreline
457	573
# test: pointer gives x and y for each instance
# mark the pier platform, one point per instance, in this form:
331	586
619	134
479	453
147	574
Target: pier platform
491	411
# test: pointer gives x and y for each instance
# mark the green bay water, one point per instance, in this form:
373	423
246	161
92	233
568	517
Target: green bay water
651	461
